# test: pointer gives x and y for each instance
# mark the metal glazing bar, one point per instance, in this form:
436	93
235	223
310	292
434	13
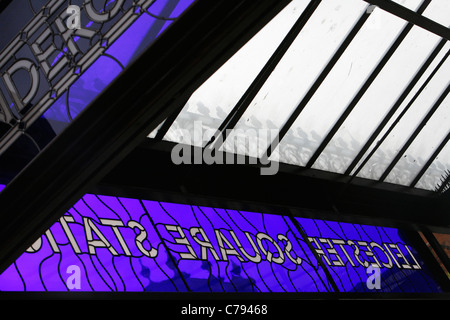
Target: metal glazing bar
315	86
365	87
398	103
168	123
430	160
412	17
246	99
314	252
416	133
400	116
242	105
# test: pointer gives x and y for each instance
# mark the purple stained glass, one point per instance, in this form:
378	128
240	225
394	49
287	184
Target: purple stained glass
164	9
349	250
106	243
231	250
150	24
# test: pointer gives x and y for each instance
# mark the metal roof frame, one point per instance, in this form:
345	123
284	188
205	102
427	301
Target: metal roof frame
413	19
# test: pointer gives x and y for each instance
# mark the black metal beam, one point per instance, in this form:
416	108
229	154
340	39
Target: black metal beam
399	102
4	4
188	52
364	88
283	304
239	109
294	187
315	86
412	17
415	133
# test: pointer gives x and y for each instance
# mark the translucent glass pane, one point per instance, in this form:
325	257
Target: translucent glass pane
410	4
336	92
384	155
432	177
408	99
298	69
423	146
155	131
212	102
380	97
439	11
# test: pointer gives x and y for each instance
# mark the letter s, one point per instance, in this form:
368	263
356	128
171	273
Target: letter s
153	252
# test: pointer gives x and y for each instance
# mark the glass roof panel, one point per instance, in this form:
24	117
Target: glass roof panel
296	75
437	171
212	102
378	41
298	69
439	58
155	131
410	4
386	152
343	82
423	146
380	97
438	11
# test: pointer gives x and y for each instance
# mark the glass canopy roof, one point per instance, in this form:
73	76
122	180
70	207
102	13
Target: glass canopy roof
358	91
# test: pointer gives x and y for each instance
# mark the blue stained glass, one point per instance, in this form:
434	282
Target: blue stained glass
123	244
